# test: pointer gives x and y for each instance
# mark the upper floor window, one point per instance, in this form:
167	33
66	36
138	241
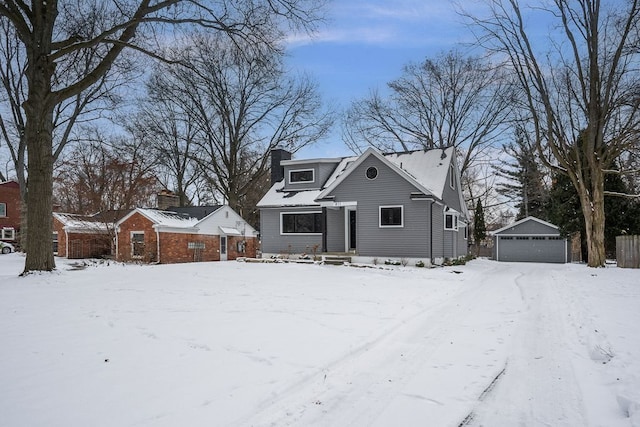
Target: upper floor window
302	175
3	209
450	221
391	216
452	177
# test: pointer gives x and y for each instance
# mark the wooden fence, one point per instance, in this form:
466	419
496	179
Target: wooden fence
628	251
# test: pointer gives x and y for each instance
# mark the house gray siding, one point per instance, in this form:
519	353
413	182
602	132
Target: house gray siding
321	172
335	230
388	189
274	242
438	231
463	244
450	195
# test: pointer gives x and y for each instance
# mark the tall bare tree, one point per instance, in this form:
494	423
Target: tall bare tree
451	100
57	31
163	119
243	105
582	85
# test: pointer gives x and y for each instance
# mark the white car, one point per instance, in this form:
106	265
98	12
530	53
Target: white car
6	248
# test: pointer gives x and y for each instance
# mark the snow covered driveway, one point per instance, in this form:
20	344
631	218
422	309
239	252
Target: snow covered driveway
235	344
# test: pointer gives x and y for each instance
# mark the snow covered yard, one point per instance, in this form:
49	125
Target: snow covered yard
235	344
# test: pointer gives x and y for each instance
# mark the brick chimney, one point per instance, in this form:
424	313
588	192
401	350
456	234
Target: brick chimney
167	199
277	171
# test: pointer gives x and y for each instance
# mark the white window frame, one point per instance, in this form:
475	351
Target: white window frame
380	225
131	233
454	221
55	238
452	177
282	214
3	212
11	236
313	176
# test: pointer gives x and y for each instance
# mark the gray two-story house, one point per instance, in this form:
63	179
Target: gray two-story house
399	205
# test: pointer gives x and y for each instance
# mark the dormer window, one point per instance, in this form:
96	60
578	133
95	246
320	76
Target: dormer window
301	176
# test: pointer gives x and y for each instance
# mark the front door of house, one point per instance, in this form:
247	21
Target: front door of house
352	230
223	248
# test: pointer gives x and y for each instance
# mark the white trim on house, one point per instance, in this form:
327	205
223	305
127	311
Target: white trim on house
454	220
401	225
523	220
11	236
131	233
313	176
282	233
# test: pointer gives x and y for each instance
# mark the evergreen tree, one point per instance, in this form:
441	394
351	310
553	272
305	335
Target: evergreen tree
523	180
479	225
622	214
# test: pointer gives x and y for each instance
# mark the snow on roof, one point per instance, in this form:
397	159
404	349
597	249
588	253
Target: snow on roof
230	231
168	218
276	197
428	168
77	222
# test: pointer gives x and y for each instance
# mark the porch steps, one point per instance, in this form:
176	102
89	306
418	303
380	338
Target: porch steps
336	259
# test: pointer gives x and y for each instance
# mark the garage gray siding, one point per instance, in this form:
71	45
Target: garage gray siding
274	242
388	189
530	240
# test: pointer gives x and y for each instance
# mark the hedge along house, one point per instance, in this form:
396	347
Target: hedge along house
82	236
151	235
399	205
530	240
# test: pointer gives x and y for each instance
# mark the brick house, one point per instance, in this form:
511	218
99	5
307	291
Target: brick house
10	206
81	236
163	236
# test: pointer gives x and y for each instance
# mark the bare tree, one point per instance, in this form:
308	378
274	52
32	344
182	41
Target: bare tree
243	105
451	100
163	119
106	174
579	89
54	32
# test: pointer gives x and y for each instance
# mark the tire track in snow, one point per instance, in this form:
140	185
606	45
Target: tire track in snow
540	388
357	388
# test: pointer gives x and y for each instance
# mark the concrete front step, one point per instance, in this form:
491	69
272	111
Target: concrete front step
335	259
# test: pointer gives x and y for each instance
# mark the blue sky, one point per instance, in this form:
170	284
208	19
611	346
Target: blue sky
364	44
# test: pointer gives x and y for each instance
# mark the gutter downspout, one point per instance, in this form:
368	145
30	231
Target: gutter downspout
117	230
66	239
158	244
431	232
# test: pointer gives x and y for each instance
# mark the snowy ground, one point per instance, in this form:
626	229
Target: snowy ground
239	344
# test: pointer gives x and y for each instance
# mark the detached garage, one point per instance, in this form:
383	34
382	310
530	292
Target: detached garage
530	240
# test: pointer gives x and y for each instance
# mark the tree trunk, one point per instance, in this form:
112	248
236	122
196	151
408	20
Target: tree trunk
39	188
593	210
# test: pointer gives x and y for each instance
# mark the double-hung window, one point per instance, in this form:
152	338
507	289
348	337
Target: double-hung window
3	209
391	216
137	244
451	221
